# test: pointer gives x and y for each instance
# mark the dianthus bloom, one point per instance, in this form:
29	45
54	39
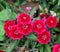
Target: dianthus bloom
51	22
24	18
39	26
28	9
7	26
56	48
14	34
25	28
44	38
43	15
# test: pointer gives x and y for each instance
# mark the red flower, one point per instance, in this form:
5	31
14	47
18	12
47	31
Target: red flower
39	26
43	15
2	51
56	48
25	28
51	21
44	38
24	18
14	34
7	26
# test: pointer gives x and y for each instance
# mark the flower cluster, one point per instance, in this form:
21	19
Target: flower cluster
42	26
17	29
24	25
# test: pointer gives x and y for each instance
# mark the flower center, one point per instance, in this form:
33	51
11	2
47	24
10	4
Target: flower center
9	27
25	26
39	26
51	21
44	37
24	18
59	50
16	32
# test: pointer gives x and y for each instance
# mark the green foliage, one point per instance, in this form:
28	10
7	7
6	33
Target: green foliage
13	15
32	11
2	36
7	14
55	30
58	39
4	15
45	48
58	2
2	29
20	3
42	48
48	47
32	37
11	46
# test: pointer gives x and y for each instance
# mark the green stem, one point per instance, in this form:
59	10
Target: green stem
11	46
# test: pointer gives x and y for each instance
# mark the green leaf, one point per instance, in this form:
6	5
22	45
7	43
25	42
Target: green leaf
13	15
1	0
2	48
32	11
33	44
55	29
48	48
44	3
2	38
58	39
24	3
37	18
39	1
53	1
2	29
2	44
58	2
32	37
26	43
38	45
41	8
16	4
11	46
42	48
4	15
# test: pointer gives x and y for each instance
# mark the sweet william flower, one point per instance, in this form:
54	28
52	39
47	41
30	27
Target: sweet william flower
43	15
39	26
14	34
44	38
24	18
25	29
56	48
28	9
7	26
51	22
